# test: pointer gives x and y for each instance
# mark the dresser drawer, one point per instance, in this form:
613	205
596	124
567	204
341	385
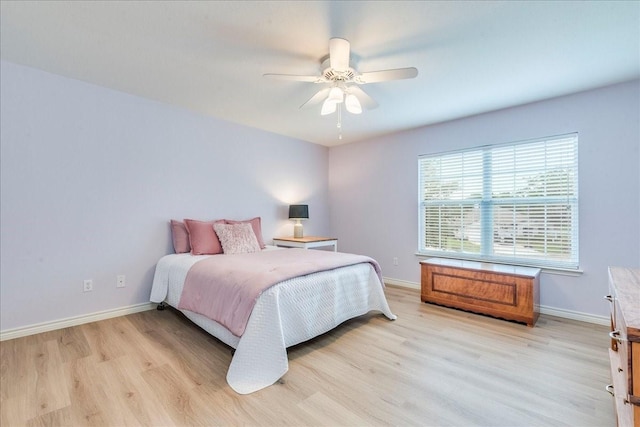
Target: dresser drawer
619	335
624	409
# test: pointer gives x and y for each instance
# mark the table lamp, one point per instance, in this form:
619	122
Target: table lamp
298	212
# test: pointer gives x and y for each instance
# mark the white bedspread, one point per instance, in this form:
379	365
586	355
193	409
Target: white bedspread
286	314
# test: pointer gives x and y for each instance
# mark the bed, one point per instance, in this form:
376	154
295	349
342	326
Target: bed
287	313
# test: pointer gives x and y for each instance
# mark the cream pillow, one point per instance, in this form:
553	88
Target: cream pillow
257	228
237	238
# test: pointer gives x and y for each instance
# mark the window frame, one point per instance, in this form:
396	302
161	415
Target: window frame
487	203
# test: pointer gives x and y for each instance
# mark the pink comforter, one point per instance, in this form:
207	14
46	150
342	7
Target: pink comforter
225	287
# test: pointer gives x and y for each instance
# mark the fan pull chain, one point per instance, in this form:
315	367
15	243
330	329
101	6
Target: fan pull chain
339	121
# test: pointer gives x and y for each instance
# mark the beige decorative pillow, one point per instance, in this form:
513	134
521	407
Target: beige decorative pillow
257	228
237	238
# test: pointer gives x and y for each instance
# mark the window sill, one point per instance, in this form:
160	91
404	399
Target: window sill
544	269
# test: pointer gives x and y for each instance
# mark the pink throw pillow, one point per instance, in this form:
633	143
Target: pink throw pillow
180	237
237	238
202	238
256	224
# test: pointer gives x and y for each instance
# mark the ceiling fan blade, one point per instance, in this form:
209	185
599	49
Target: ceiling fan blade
317	98
365	100
339	51
386	75
292	77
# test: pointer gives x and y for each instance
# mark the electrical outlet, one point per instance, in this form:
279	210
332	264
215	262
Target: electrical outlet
395	261
120	283
88	285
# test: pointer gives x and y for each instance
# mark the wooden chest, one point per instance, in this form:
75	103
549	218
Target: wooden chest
507	292
624	354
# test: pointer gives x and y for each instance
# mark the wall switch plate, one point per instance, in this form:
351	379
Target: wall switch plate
395	261
88	285
120	283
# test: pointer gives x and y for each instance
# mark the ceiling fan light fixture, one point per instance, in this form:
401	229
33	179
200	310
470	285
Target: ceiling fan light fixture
342	82
352	104
336	95
328	107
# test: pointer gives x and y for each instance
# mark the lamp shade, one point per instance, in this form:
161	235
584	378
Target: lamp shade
298	211
328	107
352	104
336	95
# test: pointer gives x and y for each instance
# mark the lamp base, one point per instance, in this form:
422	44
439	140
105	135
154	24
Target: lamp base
297	230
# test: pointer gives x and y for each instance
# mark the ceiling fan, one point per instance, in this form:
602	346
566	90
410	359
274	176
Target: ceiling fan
343	81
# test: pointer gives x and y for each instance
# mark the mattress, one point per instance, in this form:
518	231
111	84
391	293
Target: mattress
286	314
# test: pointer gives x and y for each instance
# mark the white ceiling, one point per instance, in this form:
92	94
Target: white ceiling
209	57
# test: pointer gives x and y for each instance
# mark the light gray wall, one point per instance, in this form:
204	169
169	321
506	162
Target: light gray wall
373	186
90	178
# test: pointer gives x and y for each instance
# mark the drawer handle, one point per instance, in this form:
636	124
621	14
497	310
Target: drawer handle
609	390
608	298
615	335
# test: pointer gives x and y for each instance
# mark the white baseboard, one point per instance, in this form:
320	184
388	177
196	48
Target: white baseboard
401	283
551	311
575	315
123	311
74	321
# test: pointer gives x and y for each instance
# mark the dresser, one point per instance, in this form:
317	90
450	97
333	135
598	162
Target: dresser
504	291
624	354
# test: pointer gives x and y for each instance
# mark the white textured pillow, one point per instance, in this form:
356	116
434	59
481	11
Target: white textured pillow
237	238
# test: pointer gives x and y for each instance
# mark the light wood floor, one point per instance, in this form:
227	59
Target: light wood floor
432	366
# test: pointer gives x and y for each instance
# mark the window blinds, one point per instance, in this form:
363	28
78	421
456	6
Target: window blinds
514	203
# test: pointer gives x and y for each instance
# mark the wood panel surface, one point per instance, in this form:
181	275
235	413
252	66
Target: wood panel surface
482	288
433	366
627	282
624	293
475	287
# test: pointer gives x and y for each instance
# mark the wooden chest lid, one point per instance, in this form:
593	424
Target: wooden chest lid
512	270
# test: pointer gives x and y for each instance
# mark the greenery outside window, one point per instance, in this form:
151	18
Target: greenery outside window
513	203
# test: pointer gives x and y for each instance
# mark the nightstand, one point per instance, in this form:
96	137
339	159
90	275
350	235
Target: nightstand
306	242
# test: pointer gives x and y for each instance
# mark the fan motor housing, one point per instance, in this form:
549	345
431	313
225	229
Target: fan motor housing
333	75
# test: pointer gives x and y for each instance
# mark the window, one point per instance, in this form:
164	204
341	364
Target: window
513	203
